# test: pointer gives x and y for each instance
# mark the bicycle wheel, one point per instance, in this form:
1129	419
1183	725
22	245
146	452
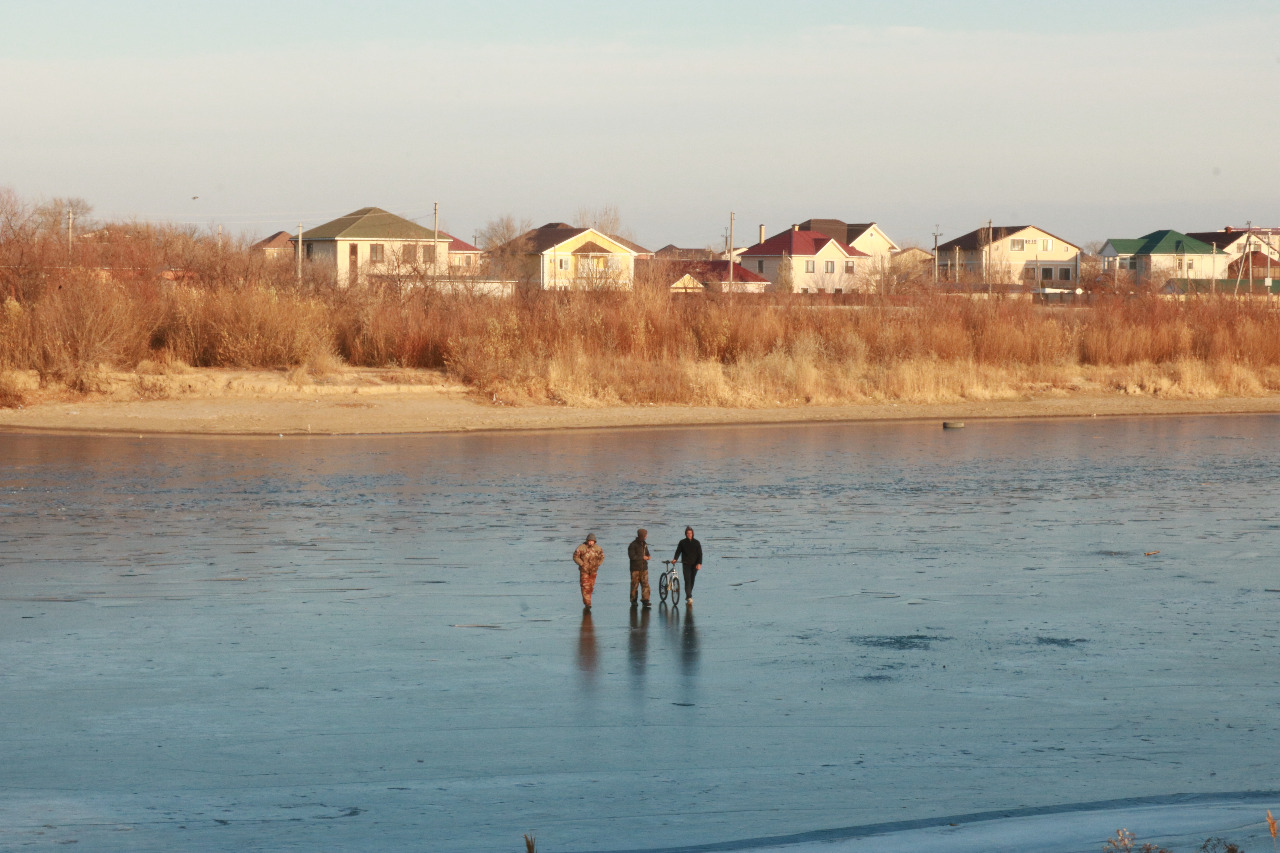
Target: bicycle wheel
662	588
675	588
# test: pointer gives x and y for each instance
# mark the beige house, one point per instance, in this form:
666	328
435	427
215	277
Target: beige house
559	256
866	237
1239	242
464	258
279	245
816	262
371	244
1009	254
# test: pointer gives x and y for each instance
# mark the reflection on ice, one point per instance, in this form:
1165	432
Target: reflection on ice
306	644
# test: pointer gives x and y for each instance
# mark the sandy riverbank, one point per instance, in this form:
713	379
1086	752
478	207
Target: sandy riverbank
231	402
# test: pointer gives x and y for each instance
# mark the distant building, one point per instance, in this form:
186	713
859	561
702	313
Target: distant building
559	256
1164	254
1008	254
279	245
699	276
818	263
371	243
464	258
866	237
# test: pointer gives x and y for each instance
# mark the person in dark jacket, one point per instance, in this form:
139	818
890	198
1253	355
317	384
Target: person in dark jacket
689	553
638	556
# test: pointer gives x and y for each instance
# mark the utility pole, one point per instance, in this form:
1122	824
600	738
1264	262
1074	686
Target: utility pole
936	235
71	220
299	253
435	237
731	250
986	258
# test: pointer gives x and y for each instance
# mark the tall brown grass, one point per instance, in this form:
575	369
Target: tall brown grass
157	297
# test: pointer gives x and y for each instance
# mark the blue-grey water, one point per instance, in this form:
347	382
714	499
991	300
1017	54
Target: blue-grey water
378	644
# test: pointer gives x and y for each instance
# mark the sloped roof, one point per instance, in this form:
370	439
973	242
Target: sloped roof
1261	263
635	247
1164	242
1221	239
552	234
458	246
278	240
799	243
675	253
369	223
977	238
591	247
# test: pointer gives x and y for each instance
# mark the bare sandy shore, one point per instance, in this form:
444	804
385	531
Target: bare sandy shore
364	402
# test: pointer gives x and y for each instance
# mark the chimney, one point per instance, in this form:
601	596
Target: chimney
795	227
761	232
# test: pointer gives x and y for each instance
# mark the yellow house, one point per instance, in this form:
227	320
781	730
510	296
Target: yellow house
559	256
371	243
1007	254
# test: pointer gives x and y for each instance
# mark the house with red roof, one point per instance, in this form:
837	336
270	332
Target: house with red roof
817	262
464	258
699	276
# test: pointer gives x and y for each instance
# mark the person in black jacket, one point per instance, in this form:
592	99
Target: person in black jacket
689	553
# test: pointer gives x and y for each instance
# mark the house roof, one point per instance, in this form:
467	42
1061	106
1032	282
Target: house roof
278	240
1221	239
635	247
591	247
1260	260
675	253
457	246
1165	242
369	223
668	272
798	242
552	234
977	238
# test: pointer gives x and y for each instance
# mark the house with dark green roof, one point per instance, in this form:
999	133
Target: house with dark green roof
372	244
1166	253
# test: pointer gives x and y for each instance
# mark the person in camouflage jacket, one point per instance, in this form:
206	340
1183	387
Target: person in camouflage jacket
588	556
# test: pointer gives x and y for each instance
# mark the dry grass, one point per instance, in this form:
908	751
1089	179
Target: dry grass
228	309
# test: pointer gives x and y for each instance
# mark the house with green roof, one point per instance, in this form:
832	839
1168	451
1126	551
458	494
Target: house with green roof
372	244
1164	254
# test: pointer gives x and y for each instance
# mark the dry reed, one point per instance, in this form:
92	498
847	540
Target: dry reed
228	308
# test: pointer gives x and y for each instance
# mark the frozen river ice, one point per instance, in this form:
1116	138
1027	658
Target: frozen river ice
377	643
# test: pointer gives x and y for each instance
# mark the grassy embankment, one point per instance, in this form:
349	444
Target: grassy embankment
601	349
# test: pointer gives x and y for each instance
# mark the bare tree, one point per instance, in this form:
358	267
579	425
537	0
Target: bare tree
506	248
606	219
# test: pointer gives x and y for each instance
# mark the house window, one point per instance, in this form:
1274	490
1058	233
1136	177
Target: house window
409	253
1191	264
804	290
429	254
563	263
809	266
829	267
1046	274
1179	263
1047	245
759	266
309	248
466	260
1017	245
1064	273
838	290
848	267
1029	271
375	253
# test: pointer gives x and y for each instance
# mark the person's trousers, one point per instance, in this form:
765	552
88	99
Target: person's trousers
690	572
640	579
588	581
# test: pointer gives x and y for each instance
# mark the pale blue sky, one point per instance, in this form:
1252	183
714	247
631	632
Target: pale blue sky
1091	119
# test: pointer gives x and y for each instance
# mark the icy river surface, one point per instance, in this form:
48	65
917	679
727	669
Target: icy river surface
350	644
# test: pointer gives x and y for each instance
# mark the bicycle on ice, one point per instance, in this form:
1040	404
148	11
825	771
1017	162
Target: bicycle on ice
669	582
